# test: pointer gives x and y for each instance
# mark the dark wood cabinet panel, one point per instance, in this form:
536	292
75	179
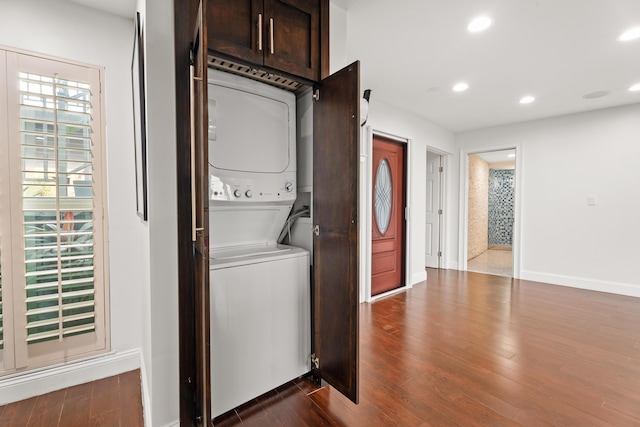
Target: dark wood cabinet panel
285	36
232	27
293	37
336	161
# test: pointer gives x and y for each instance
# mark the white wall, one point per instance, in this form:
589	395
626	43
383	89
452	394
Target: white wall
565	159
160	324
423	135
70	31
394	121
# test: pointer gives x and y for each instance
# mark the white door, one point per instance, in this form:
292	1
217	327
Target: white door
432	235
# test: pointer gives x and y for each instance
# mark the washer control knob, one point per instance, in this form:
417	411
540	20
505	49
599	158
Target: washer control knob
288	186
248	193
237	193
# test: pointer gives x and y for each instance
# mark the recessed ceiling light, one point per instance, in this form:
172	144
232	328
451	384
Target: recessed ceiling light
630	34
460	87
527	99
635	87
479	23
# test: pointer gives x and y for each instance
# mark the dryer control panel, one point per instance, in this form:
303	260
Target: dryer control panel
259	189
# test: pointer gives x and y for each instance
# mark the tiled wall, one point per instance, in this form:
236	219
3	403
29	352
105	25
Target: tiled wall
477	241
501	196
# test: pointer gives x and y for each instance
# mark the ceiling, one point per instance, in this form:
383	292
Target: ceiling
413	51
124	8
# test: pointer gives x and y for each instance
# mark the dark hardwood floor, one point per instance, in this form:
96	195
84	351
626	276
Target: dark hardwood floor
470	349
114	401
463	349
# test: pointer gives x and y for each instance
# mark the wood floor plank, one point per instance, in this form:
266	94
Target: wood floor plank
47	409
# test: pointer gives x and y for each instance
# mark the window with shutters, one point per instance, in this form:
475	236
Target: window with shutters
53	283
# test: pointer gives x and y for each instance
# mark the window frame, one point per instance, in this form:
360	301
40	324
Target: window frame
29	356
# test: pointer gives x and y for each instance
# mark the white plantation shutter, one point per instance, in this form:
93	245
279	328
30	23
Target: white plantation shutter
58	277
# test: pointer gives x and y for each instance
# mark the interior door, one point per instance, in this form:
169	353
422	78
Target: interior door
433	215
200	214
387	234
336	146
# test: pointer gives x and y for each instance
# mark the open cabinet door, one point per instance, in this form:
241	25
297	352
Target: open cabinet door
200	214
336	160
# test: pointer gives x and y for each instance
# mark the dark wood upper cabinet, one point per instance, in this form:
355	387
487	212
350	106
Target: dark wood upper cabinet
283	36
336	160
232	27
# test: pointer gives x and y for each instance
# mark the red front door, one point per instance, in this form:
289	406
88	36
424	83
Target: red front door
387	246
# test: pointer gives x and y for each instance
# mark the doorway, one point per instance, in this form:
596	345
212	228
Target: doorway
388	216
490	196
433	210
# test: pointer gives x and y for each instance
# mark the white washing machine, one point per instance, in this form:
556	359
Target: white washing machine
260	322
260	291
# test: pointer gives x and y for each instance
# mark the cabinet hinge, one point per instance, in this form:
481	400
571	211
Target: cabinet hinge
315	362
316	95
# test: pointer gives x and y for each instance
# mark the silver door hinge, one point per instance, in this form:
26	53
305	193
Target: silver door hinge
316	95
441	169
315	362
439	253
439	211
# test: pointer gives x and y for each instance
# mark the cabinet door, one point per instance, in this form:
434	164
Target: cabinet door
200	215
293	37
336	146
233	28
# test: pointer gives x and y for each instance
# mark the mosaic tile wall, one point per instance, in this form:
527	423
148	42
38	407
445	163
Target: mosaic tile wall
501	196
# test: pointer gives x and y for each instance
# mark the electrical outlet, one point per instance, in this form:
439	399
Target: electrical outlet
591	200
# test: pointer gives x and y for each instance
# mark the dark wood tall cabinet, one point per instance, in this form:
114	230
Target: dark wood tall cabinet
228	34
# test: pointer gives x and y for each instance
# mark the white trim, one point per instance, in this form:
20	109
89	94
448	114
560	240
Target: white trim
418	277
146	393
583	283
34	383
387	294
463	239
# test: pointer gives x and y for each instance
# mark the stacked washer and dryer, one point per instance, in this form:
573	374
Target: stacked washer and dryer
260	293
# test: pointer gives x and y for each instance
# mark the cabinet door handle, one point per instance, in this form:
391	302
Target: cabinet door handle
271	36
259	31
193	152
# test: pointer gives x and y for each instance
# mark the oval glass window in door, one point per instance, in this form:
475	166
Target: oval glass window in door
383	196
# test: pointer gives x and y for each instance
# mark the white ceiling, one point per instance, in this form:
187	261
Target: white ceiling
124	8
413	51
497	156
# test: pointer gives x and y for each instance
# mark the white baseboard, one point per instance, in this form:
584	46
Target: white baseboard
451	265
418	277
582	283
146	397
34	383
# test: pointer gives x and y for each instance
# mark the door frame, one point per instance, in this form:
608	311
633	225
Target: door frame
463	232
366	215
